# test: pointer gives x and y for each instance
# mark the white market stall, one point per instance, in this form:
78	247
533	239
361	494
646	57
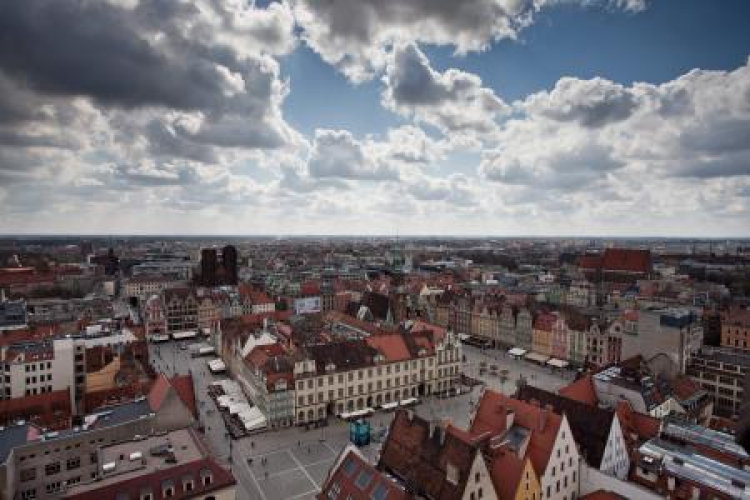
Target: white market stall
216	366
537	357
557	363
517	352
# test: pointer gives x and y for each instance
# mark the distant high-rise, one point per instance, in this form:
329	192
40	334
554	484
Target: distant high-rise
229	263
209	267
216	271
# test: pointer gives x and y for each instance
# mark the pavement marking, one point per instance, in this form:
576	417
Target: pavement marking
304	471
301	495
319	462
331	450
285	471
255	483
274	452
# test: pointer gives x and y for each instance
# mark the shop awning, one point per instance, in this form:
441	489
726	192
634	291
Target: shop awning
517	351
557	363
189	334
537	357
216	365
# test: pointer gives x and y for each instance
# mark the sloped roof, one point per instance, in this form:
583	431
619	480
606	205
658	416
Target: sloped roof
183	384
644	427
542	424
590	425
391	345
506	471
421	458
347	355
438	331
684	388
627	259
545	321
582	390
158	392
603	495
350	469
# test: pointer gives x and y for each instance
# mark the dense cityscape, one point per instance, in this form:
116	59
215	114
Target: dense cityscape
278	368
374	249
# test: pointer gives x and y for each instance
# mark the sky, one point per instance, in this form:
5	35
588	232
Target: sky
423	117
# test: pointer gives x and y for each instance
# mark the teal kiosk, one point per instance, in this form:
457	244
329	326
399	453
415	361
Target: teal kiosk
359	432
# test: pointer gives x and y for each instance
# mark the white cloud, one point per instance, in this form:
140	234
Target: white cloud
454	101
337	154
585	132
355	36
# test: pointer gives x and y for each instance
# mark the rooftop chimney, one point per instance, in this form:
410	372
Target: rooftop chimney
542	418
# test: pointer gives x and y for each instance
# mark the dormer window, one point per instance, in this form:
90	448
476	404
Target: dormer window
206	477
330	367
167	489
147	494
187	483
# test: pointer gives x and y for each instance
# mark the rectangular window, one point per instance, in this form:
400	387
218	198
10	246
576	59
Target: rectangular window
28	475
52	469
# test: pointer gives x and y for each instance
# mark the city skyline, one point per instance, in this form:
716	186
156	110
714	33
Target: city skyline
590	118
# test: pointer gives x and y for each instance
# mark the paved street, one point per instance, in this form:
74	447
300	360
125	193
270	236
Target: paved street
297	461
545	377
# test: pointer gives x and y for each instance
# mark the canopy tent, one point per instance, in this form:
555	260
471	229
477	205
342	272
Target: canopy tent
557	363
537	357
216	365
408	402
358	413
188	334
159	337
517	351
389	406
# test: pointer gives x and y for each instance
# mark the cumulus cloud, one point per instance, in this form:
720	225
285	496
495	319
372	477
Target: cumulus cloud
584	133
148	65
453	101
337	154
591	103
355	36
137	97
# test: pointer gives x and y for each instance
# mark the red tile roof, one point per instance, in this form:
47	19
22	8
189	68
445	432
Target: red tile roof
505	471
590	261
342	480
627	259
603	495
581	390
636	427
183	384
545	321
420	455
51	409
439	332
183	387
158	392
391	345
542	423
